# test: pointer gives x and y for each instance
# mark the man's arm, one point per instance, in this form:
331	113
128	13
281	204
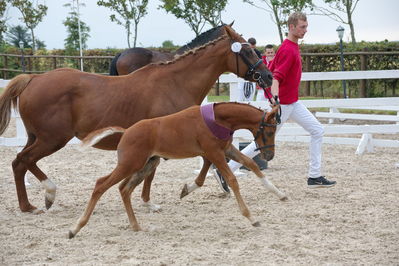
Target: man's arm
274	89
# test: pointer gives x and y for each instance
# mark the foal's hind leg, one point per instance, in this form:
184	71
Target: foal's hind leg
129	184
234	154
102	185
199	181
26	160
145	194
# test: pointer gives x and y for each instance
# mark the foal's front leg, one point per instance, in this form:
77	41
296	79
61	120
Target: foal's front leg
199	181
234	154
220	163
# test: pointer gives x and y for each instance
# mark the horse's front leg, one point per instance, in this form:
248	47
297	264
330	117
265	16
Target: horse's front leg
199	181
234	154
145	193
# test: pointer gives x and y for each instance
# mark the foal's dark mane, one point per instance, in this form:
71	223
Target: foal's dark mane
242	104
202	39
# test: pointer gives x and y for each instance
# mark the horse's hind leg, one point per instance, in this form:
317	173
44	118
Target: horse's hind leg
199	181
19	170
26	160
234	154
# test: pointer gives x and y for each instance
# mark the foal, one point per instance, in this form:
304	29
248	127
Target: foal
197	131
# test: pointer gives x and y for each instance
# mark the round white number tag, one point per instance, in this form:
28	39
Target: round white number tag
236	47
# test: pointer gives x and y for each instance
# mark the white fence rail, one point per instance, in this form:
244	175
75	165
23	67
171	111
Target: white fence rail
290	132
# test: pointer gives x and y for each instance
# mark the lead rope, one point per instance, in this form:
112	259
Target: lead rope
238	70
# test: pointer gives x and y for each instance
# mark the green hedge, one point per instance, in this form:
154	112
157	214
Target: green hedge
321	58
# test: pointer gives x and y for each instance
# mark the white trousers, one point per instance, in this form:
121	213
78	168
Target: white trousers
303	117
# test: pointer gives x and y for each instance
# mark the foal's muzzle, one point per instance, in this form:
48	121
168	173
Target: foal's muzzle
267	155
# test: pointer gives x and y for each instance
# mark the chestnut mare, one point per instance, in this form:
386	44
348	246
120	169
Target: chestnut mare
134	58
63	103
182	135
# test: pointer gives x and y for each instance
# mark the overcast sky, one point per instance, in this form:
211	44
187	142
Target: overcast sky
373	20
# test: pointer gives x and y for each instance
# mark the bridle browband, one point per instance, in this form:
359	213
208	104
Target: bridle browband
251	72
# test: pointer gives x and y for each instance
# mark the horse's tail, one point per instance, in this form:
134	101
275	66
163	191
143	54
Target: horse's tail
96	136
112	69
10	95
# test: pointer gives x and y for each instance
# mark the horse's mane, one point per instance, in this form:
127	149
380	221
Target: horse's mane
189	52
202	39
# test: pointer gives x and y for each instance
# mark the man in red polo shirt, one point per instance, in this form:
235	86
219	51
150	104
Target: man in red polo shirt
287	70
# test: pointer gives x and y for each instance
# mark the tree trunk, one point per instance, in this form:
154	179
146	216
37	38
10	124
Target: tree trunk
278	23
135	34
348	6
33	41
128	34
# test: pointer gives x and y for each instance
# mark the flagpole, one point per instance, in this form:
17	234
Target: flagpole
80	37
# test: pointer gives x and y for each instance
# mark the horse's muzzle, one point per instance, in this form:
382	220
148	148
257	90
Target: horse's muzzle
264	79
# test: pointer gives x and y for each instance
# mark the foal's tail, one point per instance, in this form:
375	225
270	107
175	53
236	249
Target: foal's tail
112	68
96	136
10	95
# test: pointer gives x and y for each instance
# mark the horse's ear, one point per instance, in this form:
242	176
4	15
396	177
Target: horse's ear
231	24
230	31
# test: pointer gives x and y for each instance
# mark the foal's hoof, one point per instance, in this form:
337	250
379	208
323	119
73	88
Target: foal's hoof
49	203
70	235
285	198
36	211
256	224
151	206
184	191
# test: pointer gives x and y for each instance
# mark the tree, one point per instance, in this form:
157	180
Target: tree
279	11
30	16
3	27
341	11
127	10
196	13
168	44
186	10
18	34
72	24
211	10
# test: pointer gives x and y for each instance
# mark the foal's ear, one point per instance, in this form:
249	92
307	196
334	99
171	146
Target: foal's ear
231	24
273	112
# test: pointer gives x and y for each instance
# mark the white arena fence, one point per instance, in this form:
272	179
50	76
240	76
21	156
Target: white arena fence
291	132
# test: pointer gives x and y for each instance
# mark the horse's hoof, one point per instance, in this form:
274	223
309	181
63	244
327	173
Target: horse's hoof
256	224
285	198
48	203
70	235
184	191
